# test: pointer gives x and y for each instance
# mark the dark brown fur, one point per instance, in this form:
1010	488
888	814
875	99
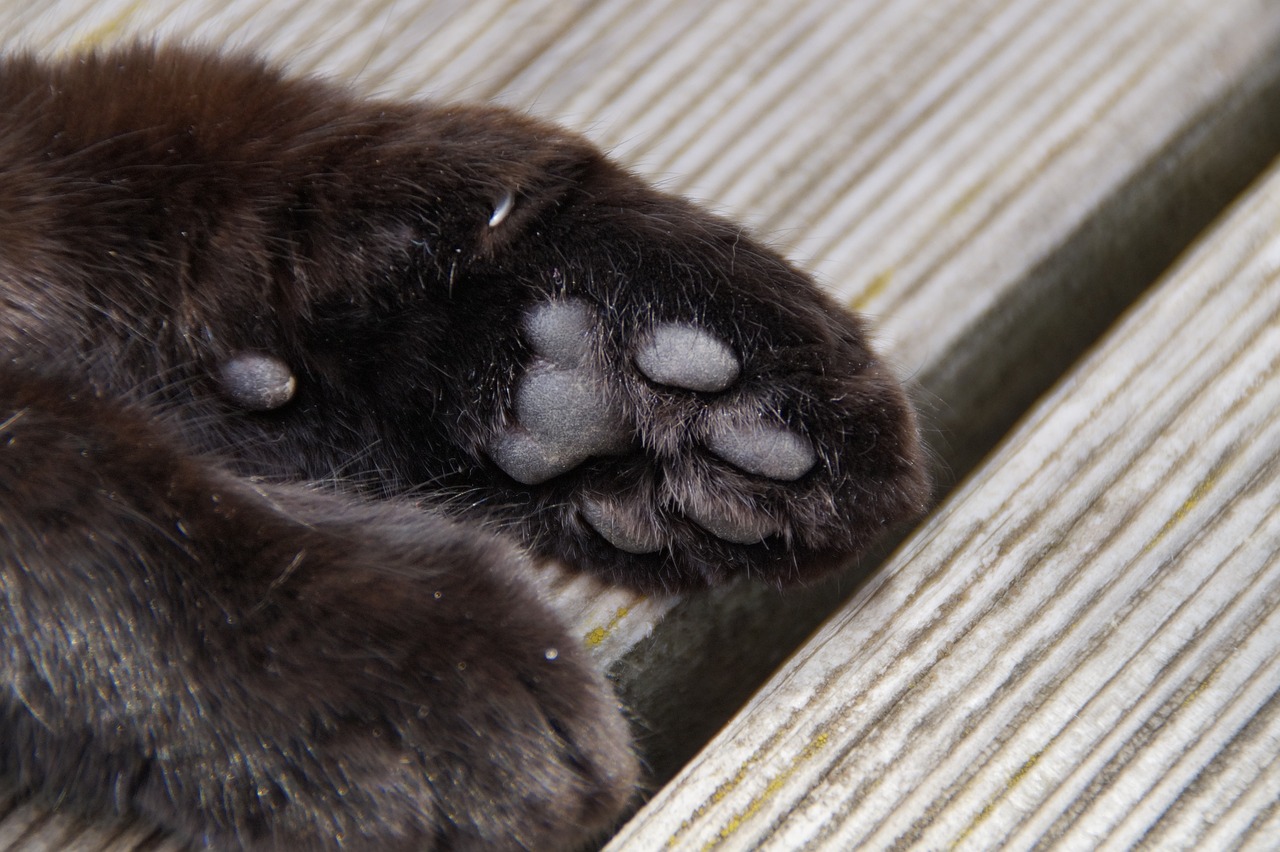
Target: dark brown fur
251	662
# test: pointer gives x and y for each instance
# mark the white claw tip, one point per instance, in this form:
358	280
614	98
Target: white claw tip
502	209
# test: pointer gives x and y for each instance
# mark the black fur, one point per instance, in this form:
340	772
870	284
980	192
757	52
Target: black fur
220	608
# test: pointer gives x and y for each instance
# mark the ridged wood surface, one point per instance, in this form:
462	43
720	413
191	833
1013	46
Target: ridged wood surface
1082	648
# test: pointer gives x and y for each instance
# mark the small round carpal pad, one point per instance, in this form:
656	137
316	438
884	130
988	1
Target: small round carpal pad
257	381
685	356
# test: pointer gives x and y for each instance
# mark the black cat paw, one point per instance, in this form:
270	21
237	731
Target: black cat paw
569	409
669	452
633	385
260	666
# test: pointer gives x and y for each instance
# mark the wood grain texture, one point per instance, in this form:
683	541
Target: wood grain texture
1082	649
992	181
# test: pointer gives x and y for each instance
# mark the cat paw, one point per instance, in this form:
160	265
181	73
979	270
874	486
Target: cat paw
569	409
453	713
667	450
269	667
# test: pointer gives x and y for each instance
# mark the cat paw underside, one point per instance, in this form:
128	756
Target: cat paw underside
568	410
674	451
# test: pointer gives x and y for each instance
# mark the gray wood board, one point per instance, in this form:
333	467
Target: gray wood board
1082	648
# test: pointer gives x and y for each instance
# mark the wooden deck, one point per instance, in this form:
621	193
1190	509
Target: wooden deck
1081	647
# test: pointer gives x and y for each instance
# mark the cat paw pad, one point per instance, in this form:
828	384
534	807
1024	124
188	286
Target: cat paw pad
565	412
256	381
624	525
760	448
685	356
665	450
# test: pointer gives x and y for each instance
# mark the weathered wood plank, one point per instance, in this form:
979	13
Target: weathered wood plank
992	180
1082	648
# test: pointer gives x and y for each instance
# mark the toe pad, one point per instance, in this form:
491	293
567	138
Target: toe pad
619	528
762	449
745	527
685	356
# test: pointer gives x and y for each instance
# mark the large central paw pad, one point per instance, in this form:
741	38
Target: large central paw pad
564	407
572	405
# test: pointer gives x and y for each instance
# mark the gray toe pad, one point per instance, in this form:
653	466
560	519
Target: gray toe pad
685	356
624	530
762	449
737	527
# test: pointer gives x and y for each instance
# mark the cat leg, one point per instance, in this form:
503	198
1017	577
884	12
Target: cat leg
457	301
271	667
